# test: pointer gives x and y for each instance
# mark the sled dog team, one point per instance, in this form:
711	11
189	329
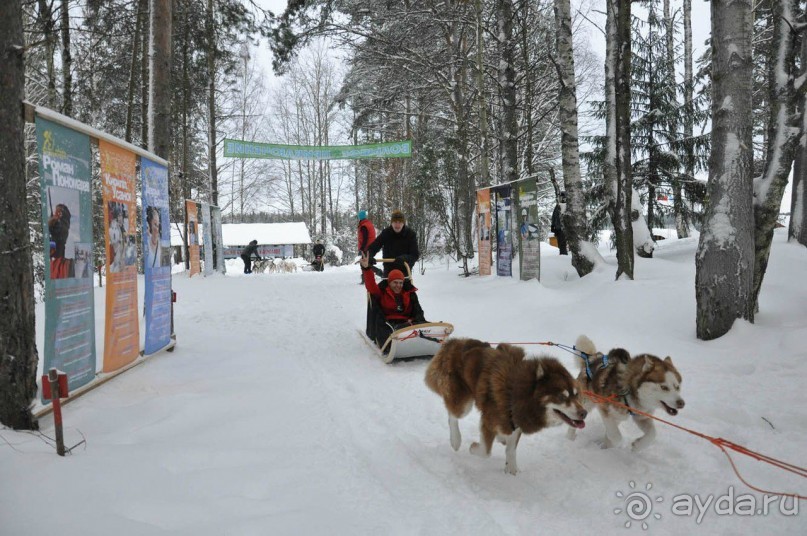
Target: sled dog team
518	395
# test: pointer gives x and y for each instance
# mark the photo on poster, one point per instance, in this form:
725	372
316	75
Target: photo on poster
116	253
154	242
64	230
131	250
83	263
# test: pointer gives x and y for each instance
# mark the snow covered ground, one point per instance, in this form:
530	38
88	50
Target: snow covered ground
273	417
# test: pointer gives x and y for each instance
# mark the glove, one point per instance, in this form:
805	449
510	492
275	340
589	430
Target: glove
371	261
402	259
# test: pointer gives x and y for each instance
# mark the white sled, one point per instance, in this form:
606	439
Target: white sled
420	340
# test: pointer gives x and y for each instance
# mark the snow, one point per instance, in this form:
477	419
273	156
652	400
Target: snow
272	416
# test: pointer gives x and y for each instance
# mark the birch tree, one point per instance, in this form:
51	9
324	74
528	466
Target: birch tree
798	205
18	354
783	134
725	258
574	219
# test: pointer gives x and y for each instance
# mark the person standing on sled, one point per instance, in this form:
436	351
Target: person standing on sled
246	256
366	235
397	242
395	302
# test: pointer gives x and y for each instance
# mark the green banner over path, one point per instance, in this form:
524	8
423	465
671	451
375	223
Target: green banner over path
251	149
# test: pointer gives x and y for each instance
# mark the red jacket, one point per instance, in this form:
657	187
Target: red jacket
389	305
366	234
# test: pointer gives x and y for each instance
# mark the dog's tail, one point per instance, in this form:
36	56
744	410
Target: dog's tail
585	345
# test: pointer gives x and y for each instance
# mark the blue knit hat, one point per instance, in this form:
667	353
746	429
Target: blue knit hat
362	215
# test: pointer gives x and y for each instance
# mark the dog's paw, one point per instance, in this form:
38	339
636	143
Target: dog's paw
639	444
511	468
456	441
478	450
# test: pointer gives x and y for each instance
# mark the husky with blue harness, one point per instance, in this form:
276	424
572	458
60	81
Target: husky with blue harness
643	382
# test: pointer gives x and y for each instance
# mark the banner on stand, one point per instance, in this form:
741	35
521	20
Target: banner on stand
207	239
504	238
156	255
483	228
192	224
121	329
529	243
65	181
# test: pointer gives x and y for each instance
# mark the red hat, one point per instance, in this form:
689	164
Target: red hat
395	274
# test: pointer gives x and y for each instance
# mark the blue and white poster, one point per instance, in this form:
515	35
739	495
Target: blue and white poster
156	255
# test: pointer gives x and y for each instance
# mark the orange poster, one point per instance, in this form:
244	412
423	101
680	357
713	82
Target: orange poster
121	329
483	226
192	220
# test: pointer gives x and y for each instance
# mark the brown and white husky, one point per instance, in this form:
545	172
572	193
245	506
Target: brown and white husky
514	394
643	382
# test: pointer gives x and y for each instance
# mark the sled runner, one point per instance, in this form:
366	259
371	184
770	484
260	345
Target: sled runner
420	340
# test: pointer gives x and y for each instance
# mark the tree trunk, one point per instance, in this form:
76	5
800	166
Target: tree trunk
18	354
49	35
618	92
133	70
725	258
783	136
160	79
681	219
484	143
212	45
144	75
507	84
67	62
798	204
574	219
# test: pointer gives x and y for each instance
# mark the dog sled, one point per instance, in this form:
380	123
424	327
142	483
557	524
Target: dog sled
405	341
410	342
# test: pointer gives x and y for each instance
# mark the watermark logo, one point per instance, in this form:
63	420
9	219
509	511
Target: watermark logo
638	505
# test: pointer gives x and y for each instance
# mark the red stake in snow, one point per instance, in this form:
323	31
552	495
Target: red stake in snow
54	386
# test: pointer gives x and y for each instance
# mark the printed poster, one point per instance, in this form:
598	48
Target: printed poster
529	240
218	241
65	180
504	239
483	227
121	328
207	239
192	224
156	255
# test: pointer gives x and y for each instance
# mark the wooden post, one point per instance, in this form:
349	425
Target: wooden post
55	397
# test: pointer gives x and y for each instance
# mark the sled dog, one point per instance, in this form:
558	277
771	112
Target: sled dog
514	394
643	382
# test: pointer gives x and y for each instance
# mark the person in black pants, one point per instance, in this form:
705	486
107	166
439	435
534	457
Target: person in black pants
397	242
557	224
246	256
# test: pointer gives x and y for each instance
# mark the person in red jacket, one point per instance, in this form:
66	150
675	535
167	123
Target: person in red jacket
366	236
395	302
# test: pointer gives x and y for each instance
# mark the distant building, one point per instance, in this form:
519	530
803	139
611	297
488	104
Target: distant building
274	239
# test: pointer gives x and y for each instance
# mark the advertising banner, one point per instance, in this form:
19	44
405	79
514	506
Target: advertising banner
192	224
156	255
529	243
218	241
483	227
64	170
121	329
504	238
251	149
207	239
